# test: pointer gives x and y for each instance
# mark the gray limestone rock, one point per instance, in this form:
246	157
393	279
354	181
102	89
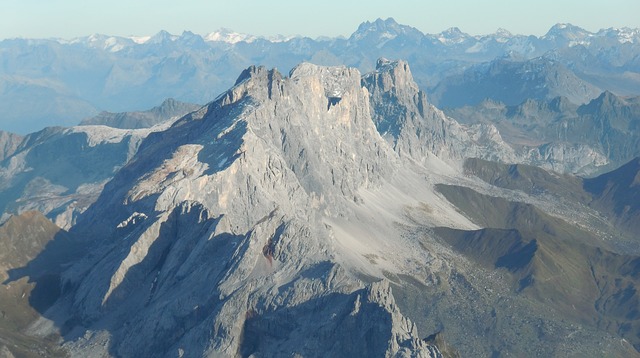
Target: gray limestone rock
213	239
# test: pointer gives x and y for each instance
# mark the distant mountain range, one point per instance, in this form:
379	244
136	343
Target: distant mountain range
169	109
46	82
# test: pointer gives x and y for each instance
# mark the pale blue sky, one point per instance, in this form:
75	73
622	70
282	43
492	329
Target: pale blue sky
72	18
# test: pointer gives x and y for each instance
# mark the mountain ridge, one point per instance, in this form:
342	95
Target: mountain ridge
130	73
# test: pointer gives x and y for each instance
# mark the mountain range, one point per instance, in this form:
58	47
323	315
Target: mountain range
323	212
607	126
47	82
60	171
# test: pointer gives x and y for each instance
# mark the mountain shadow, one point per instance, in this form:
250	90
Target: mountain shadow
33	253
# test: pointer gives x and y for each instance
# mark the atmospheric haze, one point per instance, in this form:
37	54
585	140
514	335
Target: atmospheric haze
73	18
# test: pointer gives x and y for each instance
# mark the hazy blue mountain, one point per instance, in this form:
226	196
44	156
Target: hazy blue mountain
169	109
512	82
45	82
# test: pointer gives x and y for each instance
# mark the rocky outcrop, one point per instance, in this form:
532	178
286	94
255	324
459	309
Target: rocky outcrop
416	128
9	142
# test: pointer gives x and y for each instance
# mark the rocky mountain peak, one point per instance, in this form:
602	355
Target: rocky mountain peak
378	25
161	37
292	209
502	33
413	126
292	122
9	143
243	194
383	30
392	88
395	74
606	104
453	35
567	34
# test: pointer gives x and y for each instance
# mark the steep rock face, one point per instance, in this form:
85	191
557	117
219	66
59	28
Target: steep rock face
218	230
416	128
9	142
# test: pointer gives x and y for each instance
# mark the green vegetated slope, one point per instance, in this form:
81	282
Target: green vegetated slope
566	267
22	239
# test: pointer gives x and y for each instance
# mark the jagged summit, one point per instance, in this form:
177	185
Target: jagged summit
453	35
383	30
417	129
161	37
606	103
567	34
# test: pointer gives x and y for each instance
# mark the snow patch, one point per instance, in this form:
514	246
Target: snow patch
139	39
229	36
132	220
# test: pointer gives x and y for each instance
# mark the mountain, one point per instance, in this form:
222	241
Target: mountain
9	142
249	183
379	32
168	110
512	82
417	129
22	239
605	128
576	273
616	194
60	82
332	213
61	171
30	104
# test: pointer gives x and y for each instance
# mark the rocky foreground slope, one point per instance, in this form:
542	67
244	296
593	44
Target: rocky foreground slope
317	214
